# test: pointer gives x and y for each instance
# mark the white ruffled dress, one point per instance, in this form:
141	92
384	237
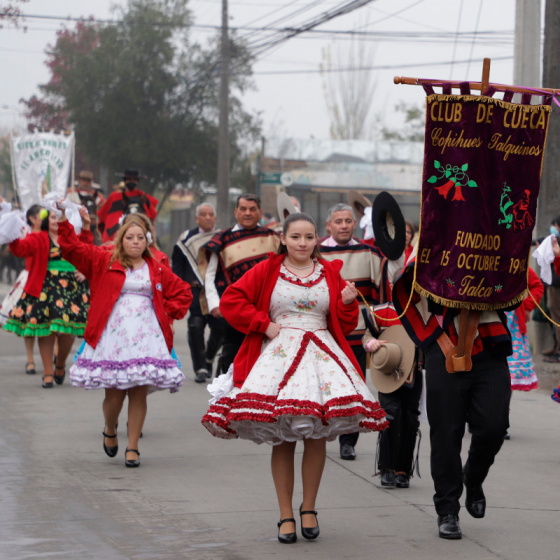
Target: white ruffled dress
303	385
131	350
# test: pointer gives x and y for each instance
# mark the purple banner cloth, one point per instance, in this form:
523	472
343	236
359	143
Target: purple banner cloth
481	179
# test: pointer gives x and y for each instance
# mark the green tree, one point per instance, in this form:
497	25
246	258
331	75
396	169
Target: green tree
413	130
139	94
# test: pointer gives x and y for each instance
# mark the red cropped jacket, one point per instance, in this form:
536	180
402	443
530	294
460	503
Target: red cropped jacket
246	304
172	296
35	247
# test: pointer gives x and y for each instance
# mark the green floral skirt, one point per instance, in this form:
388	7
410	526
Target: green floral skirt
62	307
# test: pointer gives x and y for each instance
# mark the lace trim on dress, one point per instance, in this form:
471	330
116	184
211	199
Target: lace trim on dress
314	278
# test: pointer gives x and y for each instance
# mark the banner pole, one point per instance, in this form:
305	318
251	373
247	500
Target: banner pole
485	76
14	182
72	189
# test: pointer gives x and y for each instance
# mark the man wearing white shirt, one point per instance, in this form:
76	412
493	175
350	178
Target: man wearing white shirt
372	274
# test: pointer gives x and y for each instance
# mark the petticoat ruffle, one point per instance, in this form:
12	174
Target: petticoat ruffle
126	374
267	419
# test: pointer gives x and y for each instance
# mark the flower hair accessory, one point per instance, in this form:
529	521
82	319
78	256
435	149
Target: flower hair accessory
149	238
43	213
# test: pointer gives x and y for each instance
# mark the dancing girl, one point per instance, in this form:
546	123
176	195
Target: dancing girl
129	336
304	383
54	302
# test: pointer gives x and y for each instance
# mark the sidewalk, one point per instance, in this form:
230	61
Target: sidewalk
198	497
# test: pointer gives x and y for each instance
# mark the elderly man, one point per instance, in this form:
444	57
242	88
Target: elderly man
234	251
370	271
185	265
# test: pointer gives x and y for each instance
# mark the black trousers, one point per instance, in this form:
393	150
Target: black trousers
361	356
481	397
232	343
202	352
397	442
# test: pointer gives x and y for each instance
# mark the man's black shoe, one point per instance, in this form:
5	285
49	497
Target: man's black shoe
200	376
347	452
475	501
402	481
388	479
449	527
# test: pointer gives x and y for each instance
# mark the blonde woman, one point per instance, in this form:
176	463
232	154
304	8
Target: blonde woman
128	335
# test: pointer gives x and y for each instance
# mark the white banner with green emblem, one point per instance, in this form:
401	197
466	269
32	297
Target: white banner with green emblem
42	163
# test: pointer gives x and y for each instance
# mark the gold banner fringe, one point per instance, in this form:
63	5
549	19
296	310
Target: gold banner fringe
470	305
491	100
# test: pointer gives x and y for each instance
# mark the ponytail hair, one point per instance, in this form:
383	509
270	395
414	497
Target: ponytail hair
298	217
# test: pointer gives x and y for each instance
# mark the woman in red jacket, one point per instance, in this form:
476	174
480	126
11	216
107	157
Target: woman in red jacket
304	383
54	302
521	367
129	336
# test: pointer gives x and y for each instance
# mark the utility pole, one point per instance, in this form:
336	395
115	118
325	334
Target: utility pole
527	46
549	197
223	134
548	205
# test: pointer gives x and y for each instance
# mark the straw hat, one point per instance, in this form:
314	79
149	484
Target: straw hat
358	202
393	363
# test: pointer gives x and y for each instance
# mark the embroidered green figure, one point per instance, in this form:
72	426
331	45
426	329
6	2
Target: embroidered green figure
505	204
457	178
450	282
498	288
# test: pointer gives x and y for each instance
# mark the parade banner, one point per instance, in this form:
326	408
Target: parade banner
42	163
481	178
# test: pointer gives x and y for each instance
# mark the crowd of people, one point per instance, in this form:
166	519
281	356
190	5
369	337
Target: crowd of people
286	323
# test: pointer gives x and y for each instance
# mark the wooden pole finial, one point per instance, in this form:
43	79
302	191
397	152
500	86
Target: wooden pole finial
485	76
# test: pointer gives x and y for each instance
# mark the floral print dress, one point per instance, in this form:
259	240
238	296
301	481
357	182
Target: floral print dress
131	350
61	307
302	385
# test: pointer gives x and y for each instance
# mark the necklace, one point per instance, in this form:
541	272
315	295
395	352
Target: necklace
299	267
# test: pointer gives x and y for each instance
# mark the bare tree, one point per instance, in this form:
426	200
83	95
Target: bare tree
11	12
349	85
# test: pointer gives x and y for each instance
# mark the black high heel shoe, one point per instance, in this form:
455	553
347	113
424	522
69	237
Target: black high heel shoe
310	533
47	384
135	462
59	379
111	451
287	538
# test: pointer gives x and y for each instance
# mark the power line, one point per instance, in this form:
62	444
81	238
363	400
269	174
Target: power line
387	67
457	33
474	36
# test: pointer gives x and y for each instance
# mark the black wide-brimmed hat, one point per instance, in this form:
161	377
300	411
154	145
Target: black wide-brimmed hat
130	174
388	226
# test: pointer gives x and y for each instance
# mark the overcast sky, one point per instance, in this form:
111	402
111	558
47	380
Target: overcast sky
293	104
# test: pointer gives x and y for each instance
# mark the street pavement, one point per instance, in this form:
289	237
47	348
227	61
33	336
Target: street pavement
199	497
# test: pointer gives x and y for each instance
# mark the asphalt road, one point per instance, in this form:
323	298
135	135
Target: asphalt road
199	497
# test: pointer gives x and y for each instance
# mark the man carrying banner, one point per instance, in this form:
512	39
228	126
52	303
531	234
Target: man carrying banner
186	264
368	269
233	252
481	180
121	201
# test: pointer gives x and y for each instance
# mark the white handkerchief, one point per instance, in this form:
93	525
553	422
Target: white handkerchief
221	386
545	256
